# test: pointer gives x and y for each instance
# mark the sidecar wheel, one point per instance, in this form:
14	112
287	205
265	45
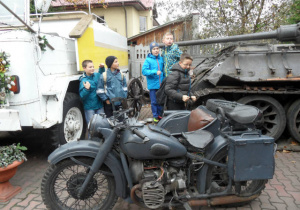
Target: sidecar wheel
220	176
61	183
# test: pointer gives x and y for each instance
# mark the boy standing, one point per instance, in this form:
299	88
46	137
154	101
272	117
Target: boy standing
87	90
178	84
153	70
111	84
170	54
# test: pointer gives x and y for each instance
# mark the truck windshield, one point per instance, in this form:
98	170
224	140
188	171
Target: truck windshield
18	7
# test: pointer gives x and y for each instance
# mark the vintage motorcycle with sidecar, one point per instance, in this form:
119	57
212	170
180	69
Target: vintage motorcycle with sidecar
210	156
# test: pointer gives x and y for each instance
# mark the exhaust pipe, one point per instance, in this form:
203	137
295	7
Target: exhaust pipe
221	200
201	202
134	197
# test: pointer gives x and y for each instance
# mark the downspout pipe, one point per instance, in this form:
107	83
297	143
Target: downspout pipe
125	18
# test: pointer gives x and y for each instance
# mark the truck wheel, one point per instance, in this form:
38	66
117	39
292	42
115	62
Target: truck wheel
73	126
273	114
293	120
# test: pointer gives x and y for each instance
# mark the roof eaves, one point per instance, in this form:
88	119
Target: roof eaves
159	27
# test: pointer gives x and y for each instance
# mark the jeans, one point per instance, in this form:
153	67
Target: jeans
89	114
156	109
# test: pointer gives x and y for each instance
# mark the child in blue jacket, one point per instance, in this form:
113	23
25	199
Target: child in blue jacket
87	90
113	85
153	70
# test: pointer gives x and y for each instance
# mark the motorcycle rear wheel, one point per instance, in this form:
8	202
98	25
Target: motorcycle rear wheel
61	183
220	176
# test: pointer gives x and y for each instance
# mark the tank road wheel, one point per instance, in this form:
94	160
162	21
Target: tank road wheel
73	126
293	120
61	184
273	114
220	176
135	95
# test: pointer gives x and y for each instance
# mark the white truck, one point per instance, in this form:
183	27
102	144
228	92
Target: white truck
45	54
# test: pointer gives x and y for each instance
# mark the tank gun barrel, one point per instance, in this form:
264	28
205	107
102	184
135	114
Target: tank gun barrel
283	33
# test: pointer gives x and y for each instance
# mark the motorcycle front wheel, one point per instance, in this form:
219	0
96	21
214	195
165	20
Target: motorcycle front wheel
220	176
61	183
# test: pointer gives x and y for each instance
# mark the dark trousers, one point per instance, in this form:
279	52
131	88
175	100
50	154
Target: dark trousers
175	105
108	109
156	109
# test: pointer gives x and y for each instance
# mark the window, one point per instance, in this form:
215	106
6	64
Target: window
143	24
101	19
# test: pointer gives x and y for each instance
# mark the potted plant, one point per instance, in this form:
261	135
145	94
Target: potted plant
6	81
10	158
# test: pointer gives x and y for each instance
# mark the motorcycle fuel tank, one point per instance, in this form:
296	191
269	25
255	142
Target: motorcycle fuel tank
161	144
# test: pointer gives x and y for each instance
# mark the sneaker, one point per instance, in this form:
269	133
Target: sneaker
155	120
159	117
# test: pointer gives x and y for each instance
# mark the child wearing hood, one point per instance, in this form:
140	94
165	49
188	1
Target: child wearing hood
178	84
153	70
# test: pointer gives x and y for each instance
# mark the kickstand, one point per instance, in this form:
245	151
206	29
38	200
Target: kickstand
187	206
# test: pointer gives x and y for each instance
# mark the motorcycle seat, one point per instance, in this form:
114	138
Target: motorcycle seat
199	138
244	114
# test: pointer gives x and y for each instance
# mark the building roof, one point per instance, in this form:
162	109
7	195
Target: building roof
161	26
138	4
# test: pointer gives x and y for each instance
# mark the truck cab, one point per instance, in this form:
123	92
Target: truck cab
44	52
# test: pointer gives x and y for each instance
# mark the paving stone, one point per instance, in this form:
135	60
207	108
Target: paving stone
288	185
290	203
265	203
281	191
11	203
294	179
25	202
273	196
280	206
32	205
255	204
296	196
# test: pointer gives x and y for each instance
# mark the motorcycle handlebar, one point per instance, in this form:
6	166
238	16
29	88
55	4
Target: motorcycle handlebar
139	133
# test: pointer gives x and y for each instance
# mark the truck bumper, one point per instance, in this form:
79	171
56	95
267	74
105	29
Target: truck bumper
9	120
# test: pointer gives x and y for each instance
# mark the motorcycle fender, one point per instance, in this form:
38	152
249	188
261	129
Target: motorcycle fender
218	144
87	148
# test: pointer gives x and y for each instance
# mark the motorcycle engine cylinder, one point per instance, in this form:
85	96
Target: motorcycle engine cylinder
153	194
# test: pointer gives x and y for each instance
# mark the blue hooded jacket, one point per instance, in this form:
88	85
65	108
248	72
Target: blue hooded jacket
115	86
150	67
88	96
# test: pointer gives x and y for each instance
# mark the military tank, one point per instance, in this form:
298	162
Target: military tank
264	75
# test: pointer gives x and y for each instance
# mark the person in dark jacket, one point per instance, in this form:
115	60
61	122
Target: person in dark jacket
178	84
87	90
153	70
113	85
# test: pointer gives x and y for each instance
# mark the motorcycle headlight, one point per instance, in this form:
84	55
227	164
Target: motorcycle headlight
97	121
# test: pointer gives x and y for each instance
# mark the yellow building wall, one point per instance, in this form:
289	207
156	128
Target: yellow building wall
87	50
115	19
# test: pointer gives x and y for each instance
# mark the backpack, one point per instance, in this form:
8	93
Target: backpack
161	96
105	78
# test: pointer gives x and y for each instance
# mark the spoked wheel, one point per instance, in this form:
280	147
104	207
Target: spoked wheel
61	184
220	176
293	120
73	126
273	114
135	94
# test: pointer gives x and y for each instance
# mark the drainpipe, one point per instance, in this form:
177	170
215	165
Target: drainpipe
125	18
90	7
